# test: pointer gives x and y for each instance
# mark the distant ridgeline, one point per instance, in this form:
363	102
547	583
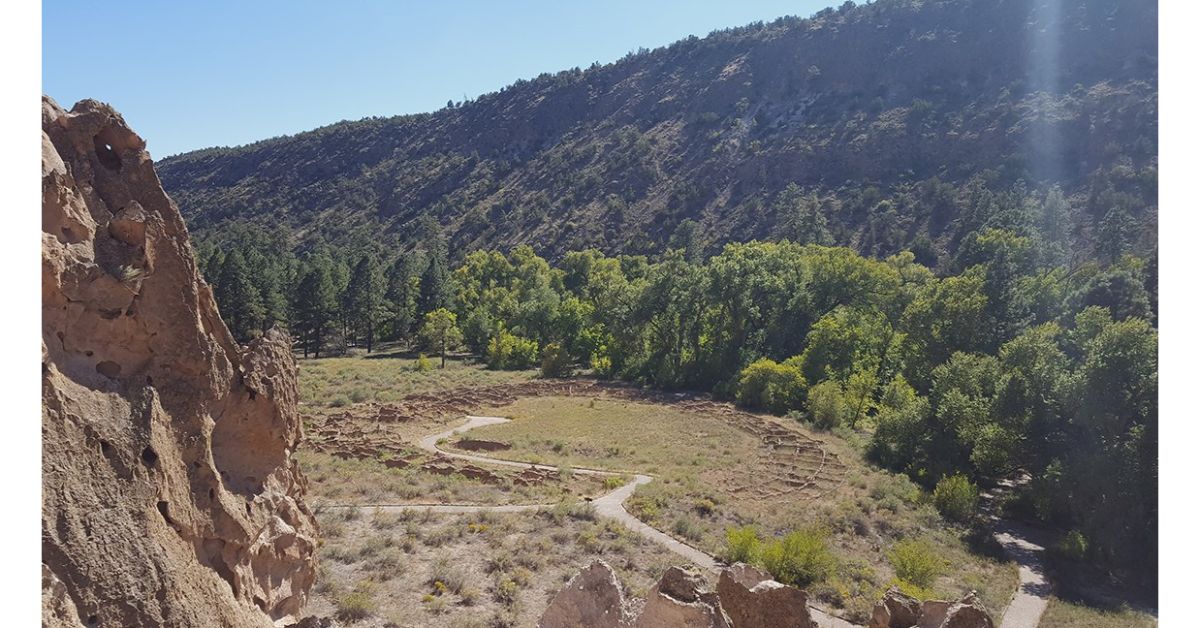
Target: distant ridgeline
902	124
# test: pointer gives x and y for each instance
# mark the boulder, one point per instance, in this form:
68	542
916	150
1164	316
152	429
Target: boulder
592	599
895	610
967	613
752	599
681	600
169	492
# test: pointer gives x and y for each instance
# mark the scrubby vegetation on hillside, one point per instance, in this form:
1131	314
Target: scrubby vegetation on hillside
889	125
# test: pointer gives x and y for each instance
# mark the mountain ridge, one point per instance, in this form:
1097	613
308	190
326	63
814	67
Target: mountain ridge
881	111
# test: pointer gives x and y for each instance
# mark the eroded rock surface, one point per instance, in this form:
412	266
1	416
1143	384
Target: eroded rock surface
170	497
681	599
897	610
752	599
593	598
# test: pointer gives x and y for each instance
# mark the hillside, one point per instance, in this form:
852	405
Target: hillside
912	122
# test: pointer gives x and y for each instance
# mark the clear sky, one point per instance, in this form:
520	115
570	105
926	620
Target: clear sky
190	75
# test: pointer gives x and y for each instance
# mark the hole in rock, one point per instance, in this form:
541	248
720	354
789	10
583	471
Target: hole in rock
165	512
106	153
149	457
106	449
108	368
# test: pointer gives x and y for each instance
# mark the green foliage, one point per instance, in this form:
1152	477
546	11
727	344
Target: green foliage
827	406
555	361
768	385
742	545
509	351
440	332
956	497
800	558
1073	545
916	562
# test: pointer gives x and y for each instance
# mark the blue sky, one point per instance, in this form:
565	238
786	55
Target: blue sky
190	75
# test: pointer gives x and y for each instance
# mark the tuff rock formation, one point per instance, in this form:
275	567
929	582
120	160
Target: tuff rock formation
592	598
745	598
680	600
752	599
170	497
897	610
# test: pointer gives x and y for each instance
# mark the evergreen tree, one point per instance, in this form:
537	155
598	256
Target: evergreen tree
314	307
239	300
435	284
799	217
364	298
403	288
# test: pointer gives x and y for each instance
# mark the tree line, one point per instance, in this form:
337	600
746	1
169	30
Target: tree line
1012	363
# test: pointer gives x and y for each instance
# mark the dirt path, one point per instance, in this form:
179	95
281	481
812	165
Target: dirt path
611	505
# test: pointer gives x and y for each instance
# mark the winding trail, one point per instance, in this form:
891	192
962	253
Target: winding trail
1024	611
1033	592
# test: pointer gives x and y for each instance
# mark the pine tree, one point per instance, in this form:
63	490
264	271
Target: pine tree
364	298
435	284
240	302
315	305
800	218
403	288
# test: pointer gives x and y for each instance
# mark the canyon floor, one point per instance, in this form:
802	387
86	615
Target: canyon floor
424	526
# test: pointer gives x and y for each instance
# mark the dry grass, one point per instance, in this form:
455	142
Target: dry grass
693	497
384	377
368	481
444	571
1064	614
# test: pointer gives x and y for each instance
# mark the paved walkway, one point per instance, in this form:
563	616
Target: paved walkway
1033	591
611	505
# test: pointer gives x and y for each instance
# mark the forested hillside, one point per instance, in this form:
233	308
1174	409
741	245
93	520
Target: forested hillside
892	125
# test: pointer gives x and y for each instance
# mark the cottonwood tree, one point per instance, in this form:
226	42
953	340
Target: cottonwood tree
440	331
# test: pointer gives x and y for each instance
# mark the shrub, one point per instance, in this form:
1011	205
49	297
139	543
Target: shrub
741	545
1073	545
357	604
773	386
601	363
555	361
509	351
424	364
688	528
827	405
444	571
956	497
800	558
916	562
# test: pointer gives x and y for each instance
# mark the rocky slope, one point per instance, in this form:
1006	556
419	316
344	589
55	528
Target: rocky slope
887	111
170	497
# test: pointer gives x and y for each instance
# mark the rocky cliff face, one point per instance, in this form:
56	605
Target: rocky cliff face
170	497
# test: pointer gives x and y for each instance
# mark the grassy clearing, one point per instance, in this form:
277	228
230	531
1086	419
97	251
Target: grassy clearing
486	569
1064	614
700	459
385	377
368	481
618	435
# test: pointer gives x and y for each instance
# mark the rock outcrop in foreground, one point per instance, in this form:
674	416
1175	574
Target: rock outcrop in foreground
897	610
170	497
745	598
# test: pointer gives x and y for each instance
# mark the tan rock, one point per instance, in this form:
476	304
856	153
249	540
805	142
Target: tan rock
895	610
170	497
680	600
752	599
592	599
967	613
